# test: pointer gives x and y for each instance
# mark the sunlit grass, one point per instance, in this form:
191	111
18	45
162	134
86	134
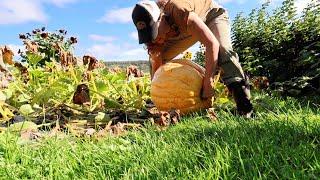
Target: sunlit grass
283	141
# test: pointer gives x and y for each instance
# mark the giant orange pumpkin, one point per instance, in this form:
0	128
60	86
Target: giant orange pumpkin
177	85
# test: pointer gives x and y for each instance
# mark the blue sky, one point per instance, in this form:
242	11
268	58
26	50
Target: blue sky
103	27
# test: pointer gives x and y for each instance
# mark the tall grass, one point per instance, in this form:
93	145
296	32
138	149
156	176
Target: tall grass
282	142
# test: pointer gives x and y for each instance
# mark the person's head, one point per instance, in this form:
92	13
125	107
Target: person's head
151	27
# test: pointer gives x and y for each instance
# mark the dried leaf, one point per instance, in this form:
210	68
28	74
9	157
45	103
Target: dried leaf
212	115
118	129
90	132
133	71
103	133
76	130
62	31
30	135
5	79
92	61
7	55
31	46
150	104
57	133
81	96
260	82
23	70
174	116
163	119
22	36
115	70
44	35
73	40
66	58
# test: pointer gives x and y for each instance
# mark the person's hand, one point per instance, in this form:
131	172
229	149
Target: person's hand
206	91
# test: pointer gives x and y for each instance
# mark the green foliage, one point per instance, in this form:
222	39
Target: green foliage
51	86
282	45
45	46
200	57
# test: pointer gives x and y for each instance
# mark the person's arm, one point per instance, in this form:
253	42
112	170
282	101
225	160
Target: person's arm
155	59
206	37
155	63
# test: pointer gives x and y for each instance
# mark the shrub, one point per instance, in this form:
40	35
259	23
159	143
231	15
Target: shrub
282	45
199	57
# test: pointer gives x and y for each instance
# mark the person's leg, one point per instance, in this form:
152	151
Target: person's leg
233	75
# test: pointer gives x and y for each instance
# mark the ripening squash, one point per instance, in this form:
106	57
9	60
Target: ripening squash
177	85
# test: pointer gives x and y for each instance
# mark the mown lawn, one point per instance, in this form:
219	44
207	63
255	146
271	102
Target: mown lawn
282	142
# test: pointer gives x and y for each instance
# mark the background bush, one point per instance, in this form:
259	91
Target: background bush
281	45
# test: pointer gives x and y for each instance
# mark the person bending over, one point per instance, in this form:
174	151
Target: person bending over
169	27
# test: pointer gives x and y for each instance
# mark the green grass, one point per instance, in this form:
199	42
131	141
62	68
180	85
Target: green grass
282	142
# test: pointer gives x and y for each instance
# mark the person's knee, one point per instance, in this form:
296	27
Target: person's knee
227	55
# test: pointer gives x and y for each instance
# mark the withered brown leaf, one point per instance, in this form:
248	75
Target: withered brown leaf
31	46
23	70
7	55
166	118
133	71
44	35
92	61
260	82
163	119
175	116
22	36
211	114
66	58
115	70
81	96
73	40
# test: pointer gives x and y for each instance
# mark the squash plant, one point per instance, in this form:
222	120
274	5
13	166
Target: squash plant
43	46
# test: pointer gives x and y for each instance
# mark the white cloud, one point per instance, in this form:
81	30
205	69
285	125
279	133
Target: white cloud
134	35
134	52
96	37
21	11
231	1
60	3
101	51
112	52
122	15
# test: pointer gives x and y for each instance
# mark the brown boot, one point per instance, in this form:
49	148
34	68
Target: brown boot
241	94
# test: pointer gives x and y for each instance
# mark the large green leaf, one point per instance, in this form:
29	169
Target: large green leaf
21	126
26	109
34	59
3	97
